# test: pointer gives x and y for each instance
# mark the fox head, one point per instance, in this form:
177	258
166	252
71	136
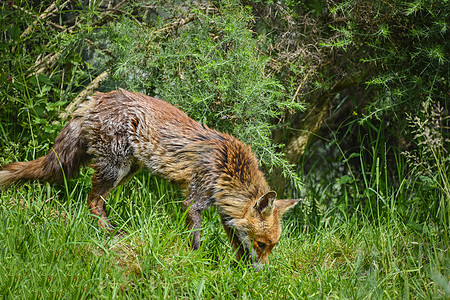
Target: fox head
255	234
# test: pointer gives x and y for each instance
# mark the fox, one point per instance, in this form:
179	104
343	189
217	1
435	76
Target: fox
120	132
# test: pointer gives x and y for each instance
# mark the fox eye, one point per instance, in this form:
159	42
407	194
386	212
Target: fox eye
261	245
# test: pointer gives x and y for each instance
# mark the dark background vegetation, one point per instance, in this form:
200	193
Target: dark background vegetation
346	103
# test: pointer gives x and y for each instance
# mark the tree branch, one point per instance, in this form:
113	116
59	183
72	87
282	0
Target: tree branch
51	9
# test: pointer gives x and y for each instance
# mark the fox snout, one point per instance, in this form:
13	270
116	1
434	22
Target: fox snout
259	260
256	233
256	253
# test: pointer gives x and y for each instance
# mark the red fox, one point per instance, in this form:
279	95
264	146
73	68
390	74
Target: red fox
121	132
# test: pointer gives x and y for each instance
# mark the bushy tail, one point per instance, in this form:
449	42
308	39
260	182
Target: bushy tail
64	159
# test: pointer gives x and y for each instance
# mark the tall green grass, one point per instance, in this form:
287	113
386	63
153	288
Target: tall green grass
50	247
383	211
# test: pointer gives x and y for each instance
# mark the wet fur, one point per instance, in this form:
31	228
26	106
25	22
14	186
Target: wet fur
120	132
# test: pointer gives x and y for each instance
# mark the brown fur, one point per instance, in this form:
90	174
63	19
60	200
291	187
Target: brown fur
120	132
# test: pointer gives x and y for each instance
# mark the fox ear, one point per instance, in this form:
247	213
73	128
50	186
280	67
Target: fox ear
264	205
285	204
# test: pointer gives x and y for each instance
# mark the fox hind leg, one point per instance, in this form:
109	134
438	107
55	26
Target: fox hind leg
107	177
96	199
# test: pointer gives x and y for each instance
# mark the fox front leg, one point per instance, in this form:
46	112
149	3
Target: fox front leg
193	220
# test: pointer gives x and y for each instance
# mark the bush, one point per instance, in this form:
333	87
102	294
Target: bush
203	60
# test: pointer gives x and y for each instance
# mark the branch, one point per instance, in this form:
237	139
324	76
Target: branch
300	86
51	58
47	62
175	24
83	94
185	20
311	123
317	114
51	9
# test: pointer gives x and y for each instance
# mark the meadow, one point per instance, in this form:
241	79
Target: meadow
51	248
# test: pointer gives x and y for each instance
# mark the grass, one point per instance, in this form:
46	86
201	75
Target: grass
50	247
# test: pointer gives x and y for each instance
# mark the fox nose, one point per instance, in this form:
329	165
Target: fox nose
259	262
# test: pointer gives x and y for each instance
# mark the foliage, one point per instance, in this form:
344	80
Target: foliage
430	163
210	67
404	45
212	70
371	64
41	69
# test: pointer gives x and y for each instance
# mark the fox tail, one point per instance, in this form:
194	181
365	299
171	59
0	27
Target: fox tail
63	161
